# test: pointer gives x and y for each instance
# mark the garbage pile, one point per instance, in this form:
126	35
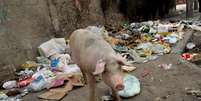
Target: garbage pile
141	42
53	68
145	41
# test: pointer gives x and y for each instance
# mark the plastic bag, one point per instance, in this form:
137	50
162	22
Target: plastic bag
56	82
163	28
22	82
43	60
42	79
38	84
60	61
132	86
53	46
72	69
171	39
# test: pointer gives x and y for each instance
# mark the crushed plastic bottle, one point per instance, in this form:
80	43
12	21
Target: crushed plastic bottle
10	84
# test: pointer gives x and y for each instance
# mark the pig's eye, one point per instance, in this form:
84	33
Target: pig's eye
105	71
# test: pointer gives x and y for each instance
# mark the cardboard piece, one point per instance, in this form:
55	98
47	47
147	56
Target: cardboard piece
57	93
128	68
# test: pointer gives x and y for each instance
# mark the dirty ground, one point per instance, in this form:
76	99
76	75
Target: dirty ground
157	85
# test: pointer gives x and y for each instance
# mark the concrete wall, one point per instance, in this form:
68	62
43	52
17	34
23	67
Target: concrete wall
24	25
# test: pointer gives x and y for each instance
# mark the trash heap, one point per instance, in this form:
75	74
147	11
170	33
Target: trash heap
53	68
141	42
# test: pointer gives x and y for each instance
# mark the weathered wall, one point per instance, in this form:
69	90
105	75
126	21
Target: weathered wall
24	24
23	27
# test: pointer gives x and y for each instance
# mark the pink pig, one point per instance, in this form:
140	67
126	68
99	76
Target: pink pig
95	56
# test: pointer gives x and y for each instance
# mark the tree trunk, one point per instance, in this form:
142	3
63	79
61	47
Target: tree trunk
189	8
196	5
172	8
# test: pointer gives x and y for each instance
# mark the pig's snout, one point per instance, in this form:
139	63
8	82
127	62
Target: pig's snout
119	87
118	82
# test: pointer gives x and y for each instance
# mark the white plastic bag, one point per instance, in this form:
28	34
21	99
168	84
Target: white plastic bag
53	46
132	86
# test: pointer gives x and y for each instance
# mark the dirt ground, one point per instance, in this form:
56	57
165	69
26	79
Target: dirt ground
169	85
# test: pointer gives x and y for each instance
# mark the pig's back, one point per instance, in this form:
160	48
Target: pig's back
87	48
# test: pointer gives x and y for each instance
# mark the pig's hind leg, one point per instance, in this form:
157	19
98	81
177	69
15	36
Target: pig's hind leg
91	83
84	76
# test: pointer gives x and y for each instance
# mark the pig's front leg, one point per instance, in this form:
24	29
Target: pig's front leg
114	94
92	83
84	76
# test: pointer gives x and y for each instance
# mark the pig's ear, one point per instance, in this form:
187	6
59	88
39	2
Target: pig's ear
121	60
100	67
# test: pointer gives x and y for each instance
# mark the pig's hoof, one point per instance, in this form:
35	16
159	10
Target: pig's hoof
107	98
118	99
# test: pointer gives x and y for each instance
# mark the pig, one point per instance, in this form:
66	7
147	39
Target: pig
95	56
